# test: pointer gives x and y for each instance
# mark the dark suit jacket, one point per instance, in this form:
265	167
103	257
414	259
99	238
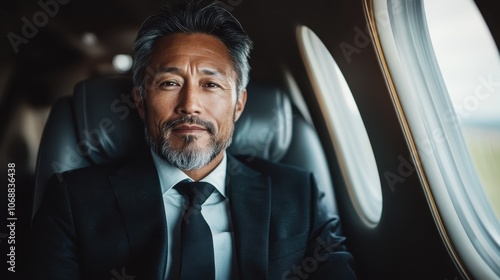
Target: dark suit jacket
108	222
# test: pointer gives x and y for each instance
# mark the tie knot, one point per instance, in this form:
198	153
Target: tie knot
195	192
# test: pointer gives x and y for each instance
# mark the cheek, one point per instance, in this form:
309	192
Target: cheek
156	113
225	120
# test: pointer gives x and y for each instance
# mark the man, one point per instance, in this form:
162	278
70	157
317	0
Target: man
175	212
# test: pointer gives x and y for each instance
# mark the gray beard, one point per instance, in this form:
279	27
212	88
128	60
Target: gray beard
190	157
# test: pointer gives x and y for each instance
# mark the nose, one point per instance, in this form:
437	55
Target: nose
189	101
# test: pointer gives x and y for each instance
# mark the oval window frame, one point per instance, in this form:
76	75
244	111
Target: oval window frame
350	139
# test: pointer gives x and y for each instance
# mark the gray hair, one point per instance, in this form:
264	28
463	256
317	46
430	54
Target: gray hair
207	17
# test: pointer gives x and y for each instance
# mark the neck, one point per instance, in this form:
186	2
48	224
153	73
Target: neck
198	174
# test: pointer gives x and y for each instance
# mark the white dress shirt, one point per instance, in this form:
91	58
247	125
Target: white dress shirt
215	210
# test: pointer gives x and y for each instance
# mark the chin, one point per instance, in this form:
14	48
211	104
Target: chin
189	139
189	142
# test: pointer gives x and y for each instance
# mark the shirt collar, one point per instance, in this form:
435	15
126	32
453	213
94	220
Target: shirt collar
170	175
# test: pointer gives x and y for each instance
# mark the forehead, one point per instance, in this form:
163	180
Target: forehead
196	48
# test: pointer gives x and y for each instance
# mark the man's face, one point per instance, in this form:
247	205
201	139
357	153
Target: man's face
190	102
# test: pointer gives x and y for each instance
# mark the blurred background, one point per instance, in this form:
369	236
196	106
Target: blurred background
47	46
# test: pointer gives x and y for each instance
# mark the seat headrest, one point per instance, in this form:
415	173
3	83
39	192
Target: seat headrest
109	128
265	127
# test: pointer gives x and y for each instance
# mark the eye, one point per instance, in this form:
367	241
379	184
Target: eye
168	84
211	85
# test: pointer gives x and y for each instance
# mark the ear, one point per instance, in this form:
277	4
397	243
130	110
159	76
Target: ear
240	105
139	102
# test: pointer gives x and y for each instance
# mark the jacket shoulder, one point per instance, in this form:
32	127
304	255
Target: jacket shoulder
93	176
272	169
268	167
87	174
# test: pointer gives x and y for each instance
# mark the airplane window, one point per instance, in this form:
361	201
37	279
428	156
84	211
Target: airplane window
346	127
444	68
473	83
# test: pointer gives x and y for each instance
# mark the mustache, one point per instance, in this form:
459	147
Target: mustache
190	120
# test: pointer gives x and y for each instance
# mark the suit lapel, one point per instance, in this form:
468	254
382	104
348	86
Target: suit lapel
138	194
249	199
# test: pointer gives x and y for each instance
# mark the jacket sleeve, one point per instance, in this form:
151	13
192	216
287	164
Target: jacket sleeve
326	255
53	237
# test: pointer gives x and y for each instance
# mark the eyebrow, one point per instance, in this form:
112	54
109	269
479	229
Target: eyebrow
206	71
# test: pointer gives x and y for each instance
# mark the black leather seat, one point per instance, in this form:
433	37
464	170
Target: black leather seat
99	124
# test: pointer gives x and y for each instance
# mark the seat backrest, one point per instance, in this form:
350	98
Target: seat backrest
99	124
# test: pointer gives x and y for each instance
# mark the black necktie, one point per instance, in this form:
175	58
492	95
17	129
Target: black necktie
197	250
